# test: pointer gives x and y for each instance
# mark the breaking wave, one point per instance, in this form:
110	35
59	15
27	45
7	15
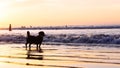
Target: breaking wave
100	39
67	38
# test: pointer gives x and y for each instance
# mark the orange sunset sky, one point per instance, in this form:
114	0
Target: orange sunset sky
59	12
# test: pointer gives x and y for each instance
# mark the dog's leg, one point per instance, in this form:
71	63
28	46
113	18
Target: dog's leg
40	50
37	47
29	47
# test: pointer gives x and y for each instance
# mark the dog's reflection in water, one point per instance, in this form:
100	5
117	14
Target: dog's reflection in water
35	54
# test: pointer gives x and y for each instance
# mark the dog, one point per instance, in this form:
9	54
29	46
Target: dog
34	40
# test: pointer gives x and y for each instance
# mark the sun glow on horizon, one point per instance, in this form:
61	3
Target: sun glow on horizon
21	0
2	10
59	12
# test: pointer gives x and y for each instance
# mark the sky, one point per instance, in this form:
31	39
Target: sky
59	12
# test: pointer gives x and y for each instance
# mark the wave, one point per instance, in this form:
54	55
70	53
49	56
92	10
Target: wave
67	38
99	39
12	38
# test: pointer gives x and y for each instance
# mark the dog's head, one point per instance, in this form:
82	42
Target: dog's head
41	33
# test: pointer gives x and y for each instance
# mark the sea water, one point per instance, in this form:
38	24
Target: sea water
73	48
65	36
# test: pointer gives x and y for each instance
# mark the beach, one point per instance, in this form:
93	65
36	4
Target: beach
59	56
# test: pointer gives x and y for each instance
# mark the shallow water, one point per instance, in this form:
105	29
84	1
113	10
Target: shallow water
59	56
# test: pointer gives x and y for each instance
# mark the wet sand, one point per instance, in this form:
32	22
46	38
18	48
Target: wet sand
59	56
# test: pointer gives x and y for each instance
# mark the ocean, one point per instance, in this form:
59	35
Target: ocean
65	48
65	36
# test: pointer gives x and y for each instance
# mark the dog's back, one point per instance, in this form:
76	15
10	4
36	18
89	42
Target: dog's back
35	39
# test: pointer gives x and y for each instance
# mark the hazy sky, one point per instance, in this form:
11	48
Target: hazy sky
59	12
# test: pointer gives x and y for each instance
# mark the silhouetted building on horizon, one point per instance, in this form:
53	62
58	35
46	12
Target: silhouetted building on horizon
10	27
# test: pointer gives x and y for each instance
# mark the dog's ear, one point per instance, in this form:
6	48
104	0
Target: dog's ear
41	33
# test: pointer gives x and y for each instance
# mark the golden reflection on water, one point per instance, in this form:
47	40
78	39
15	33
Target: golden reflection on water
35	54
59	56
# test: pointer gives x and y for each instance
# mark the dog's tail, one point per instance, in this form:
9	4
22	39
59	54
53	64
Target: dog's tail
28	33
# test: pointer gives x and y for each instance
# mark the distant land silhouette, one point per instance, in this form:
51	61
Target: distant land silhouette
64	27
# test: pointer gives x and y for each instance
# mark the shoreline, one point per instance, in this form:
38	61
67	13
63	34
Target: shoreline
54	56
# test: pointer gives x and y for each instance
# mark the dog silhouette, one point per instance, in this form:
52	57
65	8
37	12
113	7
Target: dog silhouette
34	40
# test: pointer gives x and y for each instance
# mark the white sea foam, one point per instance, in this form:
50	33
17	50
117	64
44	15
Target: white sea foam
86	36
